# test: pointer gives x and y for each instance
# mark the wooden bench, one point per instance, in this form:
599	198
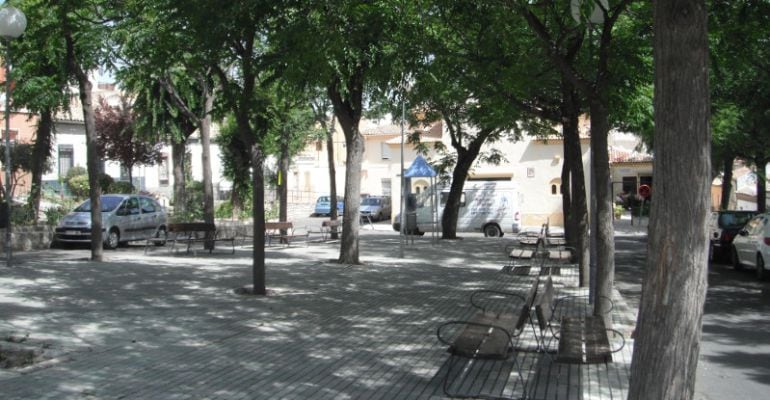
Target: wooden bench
489	335
191	233
582	338
283	232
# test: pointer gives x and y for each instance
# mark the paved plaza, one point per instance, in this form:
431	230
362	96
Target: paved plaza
167	326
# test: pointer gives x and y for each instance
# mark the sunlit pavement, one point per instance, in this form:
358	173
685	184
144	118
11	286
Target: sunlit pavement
170	325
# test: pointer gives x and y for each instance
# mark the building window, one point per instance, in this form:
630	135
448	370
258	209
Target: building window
66	159
163	170
385	151
386	188
556	188
629	184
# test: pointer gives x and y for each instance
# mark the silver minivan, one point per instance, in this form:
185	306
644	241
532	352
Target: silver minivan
375	208
125	217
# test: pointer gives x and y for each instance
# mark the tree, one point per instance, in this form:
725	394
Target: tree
323	114
354	51
160	61
40	85
594	83
457	85
118	139
669	323
83	28
740	89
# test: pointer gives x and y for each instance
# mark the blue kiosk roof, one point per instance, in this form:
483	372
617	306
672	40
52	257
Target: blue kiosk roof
419	167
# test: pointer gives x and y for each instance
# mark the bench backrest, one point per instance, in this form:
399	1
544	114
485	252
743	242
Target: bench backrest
330	223
544	306
278	225
528	302
191	227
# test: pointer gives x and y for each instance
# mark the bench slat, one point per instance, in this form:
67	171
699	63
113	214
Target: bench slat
484	342
583	341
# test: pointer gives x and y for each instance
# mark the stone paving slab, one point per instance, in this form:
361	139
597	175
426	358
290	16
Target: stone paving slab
169	326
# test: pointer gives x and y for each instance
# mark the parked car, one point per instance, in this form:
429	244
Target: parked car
125	218
323	206
751	247
376	207
723	226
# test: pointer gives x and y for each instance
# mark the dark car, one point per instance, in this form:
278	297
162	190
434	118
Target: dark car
723	226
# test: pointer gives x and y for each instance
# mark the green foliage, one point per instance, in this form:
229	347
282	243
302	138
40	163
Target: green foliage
78	186
193	203
54	214
106	182
122	187
225	210
22	215
75	171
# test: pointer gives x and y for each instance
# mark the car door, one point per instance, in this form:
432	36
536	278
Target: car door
151	217
746	243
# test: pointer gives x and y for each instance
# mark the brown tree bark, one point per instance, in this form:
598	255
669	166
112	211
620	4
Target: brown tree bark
577	214
348	112
332	177
466	155
178	155
258	215
283	184
204	127
41	153
92	158
670	316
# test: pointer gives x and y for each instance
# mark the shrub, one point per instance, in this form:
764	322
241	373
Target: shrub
79	186
54	214
122	187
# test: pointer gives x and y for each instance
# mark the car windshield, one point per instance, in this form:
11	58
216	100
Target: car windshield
734	220
323	199
370	201
109	203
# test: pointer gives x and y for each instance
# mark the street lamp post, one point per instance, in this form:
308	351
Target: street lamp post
12	25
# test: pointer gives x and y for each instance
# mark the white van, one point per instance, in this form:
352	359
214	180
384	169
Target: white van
491	207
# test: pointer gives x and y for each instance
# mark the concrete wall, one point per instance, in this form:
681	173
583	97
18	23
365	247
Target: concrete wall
26	238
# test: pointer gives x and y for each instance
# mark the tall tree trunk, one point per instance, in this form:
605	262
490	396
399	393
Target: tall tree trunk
351	213
566	198
283	184
605	232
41	153
204	127
727	183
258	214
332	177
670	316
573	159
178	155
130	169
761	163
92	158
465	159
348	111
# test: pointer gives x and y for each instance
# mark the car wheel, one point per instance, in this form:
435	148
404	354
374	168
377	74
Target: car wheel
736	261
492	230
161	234
760	268
113	239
